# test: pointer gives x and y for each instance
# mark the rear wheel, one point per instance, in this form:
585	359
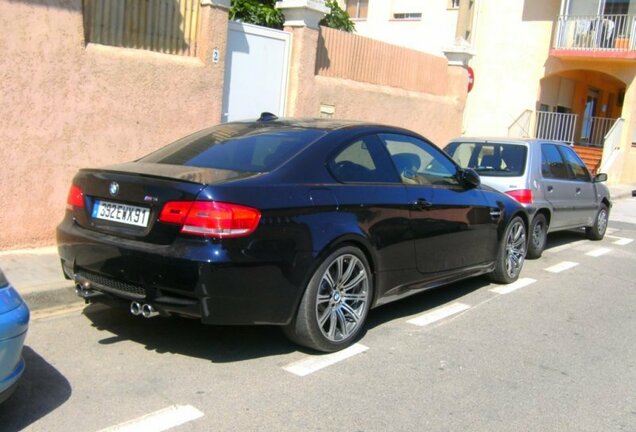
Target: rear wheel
538	236
334	308
512	252
597	231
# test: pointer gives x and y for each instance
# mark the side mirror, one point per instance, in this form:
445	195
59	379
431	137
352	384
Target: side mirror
470	178
600	178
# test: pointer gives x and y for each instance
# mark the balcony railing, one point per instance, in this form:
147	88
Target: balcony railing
613	33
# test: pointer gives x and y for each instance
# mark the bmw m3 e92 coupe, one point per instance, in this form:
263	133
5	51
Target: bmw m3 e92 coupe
306	224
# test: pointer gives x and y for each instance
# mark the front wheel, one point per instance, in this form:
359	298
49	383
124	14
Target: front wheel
512	252
597	231
334	308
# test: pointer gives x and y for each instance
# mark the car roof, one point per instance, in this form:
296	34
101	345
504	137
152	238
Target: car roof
313	123
506	140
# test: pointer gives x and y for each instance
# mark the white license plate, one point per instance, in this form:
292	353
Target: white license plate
122	213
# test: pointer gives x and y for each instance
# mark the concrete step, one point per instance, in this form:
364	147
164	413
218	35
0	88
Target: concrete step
591	156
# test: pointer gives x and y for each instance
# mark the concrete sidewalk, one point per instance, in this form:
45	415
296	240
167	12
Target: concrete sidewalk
37	273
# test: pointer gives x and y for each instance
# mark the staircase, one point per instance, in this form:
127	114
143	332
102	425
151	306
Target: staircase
591	156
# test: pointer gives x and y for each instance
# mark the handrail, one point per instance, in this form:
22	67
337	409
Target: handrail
611	145
525	116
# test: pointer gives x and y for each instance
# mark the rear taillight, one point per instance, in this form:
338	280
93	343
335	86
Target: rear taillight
524	196
75	198
211	218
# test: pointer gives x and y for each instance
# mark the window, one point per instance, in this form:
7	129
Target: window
166	26
407	16
552	165
241	148
453	4
419	162
357	8
363	161
490	159
577	167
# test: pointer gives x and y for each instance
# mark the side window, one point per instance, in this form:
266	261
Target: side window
552	165
363	161
576	165
419	162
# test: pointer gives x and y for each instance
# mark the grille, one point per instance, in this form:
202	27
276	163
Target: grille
109	284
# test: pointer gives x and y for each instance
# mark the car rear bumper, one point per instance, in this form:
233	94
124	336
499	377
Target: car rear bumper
197	279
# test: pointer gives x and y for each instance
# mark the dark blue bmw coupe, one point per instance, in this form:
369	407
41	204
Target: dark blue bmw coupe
306	224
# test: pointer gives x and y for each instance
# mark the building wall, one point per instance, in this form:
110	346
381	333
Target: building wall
435	110
431	33
65	105
512	41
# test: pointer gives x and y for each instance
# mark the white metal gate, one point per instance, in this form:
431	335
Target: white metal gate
256	69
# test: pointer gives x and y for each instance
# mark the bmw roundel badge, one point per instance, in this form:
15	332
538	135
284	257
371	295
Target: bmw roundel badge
113	188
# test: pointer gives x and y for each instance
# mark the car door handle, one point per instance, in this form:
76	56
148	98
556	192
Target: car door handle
422	204
578	191
550	188
495	214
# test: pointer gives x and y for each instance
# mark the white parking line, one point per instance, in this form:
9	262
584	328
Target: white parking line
598	252
505	289
611	230
312	364
565	265
159	420
621	241
436	315
565	246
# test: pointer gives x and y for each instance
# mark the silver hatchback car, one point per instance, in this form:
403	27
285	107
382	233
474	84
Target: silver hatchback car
547	177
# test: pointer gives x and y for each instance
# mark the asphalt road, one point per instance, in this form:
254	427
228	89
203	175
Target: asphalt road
555	354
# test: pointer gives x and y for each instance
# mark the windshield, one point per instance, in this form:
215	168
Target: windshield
490	158
242	147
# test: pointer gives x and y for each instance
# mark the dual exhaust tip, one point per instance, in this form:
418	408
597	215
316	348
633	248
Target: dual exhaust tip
145	310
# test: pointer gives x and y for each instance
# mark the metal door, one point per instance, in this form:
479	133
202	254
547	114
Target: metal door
256	69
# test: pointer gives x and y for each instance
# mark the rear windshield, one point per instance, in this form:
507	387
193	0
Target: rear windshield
242	147
490	159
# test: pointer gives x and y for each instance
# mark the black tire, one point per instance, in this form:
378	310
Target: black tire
511	254
597	231
538	236
334	322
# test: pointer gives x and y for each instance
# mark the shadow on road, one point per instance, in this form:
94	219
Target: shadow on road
41	390
223	344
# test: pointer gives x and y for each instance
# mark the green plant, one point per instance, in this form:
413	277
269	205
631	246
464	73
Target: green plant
337	18
260	12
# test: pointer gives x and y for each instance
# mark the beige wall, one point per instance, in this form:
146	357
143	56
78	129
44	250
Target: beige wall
435	113
65	105
512	41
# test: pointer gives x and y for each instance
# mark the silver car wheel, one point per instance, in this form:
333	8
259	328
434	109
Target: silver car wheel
515	249
601	221
342	297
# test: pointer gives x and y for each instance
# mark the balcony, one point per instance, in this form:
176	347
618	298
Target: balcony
596	36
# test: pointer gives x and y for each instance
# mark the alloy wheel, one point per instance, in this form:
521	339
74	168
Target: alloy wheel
601	221
343	294
515	248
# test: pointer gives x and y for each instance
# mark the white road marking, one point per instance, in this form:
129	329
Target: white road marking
598	252
565	265
157	421
505	289
436	315
312	364
565	246
611	230
621	241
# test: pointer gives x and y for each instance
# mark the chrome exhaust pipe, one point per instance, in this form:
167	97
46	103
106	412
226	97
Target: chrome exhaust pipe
135	308
147	311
